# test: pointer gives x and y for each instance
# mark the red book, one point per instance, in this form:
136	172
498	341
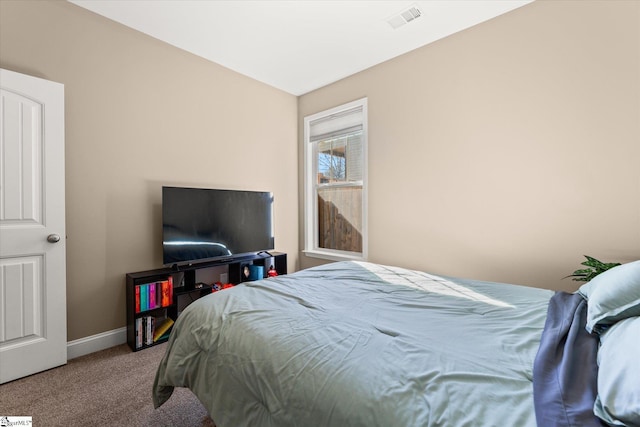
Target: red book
138	299
170	290
165	294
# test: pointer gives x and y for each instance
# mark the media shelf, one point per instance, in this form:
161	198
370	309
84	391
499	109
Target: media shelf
155	298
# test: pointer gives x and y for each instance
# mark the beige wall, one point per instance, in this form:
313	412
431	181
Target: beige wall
507	151
141	114
504	152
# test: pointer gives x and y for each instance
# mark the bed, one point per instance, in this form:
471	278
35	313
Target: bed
363	344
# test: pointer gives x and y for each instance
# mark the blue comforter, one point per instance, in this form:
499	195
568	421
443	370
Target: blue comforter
359	344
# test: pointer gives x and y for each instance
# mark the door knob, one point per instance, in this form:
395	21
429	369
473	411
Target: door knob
53	238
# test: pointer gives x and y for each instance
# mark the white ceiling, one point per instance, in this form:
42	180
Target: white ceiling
297	46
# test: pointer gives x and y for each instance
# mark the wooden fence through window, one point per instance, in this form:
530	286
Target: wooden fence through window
335	230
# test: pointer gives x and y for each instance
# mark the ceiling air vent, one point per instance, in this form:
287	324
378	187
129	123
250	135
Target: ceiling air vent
404	17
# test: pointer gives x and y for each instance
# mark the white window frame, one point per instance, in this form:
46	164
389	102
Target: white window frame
311	246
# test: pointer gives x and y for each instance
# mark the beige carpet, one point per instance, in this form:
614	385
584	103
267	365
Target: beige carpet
107	388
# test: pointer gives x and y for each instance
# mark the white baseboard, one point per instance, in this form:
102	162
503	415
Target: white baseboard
93	343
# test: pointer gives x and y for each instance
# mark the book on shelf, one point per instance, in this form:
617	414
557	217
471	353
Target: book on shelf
144	294
166	288
162	327
139	332
149	323
152	298
150	330
149	296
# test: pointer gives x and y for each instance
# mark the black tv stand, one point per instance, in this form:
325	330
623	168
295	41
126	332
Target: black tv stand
235	264
191	290
189	279
189	275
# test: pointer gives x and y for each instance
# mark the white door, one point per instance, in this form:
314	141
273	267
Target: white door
33	314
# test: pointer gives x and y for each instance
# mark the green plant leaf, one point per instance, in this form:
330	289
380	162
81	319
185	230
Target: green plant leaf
595	267
591	262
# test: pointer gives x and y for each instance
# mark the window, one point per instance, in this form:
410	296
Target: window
335	148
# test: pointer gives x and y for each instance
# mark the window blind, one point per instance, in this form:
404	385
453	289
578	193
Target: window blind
335	125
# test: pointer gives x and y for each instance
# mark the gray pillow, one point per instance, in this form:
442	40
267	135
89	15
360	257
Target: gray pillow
618	401
613	295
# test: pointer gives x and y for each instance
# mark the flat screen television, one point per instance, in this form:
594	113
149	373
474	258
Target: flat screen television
200	224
